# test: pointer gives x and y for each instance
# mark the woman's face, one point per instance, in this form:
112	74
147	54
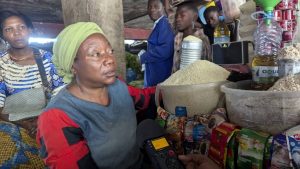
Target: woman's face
184	18
95	64
15	32
213	19
155	9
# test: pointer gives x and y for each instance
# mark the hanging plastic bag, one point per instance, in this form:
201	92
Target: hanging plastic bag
230	9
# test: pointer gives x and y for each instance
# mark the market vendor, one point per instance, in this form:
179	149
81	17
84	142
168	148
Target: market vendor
94	113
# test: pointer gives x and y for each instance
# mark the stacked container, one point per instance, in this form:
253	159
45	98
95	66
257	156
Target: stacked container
191	51
285	14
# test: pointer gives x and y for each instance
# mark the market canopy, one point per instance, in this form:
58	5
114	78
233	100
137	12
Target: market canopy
48	17
50	11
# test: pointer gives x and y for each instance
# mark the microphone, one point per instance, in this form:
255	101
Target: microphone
150	137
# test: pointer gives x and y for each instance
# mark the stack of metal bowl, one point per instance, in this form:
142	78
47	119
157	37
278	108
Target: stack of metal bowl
191	52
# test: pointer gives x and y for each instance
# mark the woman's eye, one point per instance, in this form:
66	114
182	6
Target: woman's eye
8	29
22	27
97	54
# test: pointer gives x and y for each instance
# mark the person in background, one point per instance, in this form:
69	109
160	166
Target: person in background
211	15
158	57
19	73
198	161
170	11
186	24
91	123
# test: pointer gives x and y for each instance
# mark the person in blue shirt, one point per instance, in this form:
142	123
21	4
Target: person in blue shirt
158	58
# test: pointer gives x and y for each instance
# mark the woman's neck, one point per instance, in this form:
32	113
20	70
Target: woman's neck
188	31
21	53
96	95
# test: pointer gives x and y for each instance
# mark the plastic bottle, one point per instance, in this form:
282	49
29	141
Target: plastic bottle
222	32
267	39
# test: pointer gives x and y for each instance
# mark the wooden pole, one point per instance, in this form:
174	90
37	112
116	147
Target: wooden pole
108	14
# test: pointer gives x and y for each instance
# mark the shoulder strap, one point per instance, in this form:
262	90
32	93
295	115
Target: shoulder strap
39	62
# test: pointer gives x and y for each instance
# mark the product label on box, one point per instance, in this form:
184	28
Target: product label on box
293	142
280	153
288	67
220	137
251	149
264	74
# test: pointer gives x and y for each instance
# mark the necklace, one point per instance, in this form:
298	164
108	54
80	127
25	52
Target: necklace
17	59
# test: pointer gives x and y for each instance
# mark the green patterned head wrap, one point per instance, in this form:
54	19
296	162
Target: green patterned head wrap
67	44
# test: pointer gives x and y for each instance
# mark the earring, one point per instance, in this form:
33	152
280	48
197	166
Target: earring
7	46
193	25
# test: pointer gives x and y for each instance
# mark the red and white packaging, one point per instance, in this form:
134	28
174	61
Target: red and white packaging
288	14
295	2
287	36
294	23
284	4
287	4
287	25
294	14
291	4
220	137
278	15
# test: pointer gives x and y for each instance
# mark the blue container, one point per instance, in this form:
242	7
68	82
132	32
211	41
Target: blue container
199	132
180	111
130	75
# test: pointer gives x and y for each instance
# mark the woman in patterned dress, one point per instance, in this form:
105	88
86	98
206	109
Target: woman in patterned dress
19	72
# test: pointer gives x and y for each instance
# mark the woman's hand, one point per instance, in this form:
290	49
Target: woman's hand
29	124
197	161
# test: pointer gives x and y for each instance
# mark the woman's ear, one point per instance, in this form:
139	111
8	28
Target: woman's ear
74	68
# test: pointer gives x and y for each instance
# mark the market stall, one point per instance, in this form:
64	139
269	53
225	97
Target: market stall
241	124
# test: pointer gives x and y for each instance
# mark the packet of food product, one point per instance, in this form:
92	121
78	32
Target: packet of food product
162	113
201	147
293	142
196	137
181	115
220	138
267	153
215	119
232	151
188	143
251	149
174	131
188	130
162	116
201	139
280	153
